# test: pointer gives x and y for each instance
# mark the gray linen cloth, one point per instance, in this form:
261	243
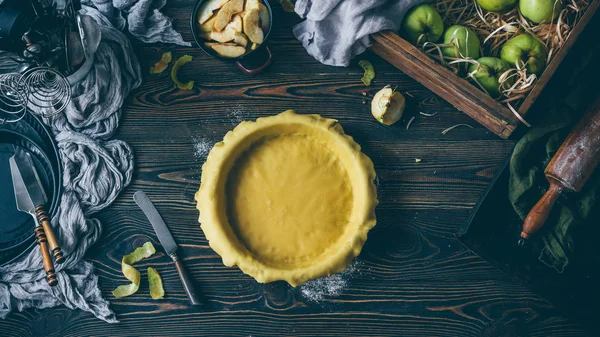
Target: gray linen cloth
96	168
337	30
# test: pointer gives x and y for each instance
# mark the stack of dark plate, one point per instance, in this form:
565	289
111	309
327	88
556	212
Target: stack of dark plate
16	228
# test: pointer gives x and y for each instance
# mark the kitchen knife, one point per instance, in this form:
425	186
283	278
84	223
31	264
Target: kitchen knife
167	241
30	198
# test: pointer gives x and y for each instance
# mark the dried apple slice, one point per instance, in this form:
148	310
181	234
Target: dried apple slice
226	12
251	4
208	9
251	29
207	26
229	50
240	39
236	23
226	35
265	19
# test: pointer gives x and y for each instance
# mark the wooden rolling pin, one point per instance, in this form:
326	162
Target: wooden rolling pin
569	169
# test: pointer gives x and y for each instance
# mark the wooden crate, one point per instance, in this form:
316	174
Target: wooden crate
459	92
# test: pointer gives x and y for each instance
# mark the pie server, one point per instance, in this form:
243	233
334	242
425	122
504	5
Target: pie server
30	198
167	241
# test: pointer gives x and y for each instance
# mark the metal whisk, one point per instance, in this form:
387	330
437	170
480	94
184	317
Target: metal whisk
47	91
13	99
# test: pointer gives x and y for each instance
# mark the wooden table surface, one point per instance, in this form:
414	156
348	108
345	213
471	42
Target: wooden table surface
413	277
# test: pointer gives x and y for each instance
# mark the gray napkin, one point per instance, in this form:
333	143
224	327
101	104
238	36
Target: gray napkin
337	30
95	168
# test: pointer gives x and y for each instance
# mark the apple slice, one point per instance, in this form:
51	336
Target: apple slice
226	35
236	23
251	4
229	50
265	19
226	12
208	9
240	39
251	29
207	26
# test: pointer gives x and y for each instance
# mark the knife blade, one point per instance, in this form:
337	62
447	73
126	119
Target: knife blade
29	192
157	222
167	241
30	198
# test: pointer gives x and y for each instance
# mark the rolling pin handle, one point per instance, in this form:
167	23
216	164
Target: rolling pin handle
540	212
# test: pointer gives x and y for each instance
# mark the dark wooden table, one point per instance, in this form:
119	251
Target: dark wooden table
414	277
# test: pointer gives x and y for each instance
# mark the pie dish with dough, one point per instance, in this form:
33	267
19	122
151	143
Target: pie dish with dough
289	197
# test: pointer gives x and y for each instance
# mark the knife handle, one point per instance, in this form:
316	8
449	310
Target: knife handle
43	218
46	259
185	280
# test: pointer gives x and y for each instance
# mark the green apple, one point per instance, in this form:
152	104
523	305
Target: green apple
540	11
488	73
497	6
525	50
464	42
422	24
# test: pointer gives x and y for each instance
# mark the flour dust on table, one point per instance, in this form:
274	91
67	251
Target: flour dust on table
330	286
202	147
237	114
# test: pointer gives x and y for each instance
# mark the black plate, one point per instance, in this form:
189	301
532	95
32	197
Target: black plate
16	229
30	126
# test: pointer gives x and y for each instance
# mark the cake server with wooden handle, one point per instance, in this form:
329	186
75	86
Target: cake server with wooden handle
569	169
31	198
167	241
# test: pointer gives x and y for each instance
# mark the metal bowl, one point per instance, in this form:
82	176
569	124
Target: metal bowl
261	53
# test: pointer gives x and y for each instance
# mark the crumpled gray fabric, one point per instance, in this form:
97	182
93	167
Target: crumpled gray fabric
95	168
337	30
142	18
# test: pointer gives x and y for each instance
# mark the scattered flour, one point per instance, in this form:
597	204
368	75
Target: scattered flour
236	114
202	147
333	285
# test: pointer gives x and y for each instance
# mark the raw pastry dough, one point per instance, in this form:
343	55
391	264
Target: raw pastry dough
288	197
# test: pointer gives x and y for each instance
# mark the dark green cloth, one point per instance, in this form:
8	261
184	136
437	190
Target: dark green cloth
527	181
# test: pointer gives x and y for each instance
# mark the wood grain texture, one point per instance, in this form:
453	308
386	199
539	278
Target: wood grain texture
414	278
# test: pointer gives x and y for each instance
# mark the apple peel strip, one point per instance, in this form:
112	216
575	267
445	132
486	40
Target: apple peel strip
130	272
